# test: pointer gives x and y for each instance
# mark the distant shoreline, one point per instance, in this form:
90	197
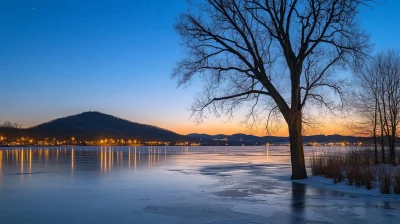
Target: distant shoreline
13	146
140	145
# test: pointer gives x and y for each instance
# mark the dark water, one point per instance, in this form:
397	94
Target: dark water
170	185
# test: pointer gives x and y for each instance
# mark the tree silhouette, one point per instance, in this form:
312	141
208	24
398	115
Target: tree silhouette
283	52
8	124
378	99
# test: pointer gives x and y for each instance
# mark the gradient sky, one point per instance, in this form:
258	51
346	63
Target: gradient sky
59	58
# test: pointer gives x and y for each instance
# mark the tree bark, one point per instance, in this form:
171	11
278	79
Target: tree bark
296	145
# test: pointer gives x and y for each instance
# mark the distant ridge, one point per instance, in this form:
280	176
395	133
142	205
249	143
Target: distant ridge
95	125
275	139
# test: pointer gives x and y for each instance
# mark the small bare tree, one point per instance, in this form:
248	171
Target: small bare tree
8	124
284	52
387	65
367	106
378	100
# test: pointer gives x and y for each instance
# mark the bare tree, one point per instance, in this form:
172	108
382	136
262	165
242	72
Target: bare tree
378	100
282	51
8	124
387	65
367	105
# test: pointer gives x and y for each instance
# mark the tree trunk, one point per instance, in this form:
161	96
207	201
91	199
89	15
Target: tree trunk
381	127
382	145
376	147
389	139
296	146
393	149
374	133
383	149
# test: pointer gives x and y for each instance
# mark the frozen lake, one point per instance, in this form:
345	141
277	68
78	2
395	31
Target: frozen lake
174	185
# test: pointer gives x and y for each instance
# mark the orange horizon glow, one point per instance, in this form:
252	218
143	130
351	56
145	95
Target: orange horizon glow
235	128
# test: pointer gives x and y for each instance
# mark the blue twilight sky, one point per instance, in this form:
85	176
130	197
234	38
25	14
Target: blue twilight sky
59	58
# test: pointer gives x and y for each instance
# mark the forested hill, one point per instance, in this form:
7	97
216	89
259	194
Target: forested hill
94	125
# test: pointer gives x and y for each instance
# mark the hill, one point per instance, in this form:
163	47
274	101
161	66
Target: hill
94	126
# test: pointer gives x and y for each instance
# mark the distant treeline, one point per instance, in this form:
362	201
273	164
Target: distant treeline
260	140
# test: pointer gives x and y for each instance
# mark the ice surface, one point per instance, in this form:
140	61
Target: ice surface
176	185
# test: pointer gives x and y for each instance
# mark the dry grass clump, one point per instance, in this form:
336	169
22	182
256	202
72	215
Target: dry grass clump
329	166
354	166
368	157
398	156
360	157
352	173
360	176
334	168
357	168
318	165
396	182
368	177
385	180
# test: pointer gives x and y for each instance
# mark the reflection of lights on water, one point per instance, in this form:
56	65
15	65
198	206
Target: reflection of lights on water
30	160
110	159
149	158
101	159
72	159
105	159
17	155
134	160
1	163
22	161
26	160
132	155
129	158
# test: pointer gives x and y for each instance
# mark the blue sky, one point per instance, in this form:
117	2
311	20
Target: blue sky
59	58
